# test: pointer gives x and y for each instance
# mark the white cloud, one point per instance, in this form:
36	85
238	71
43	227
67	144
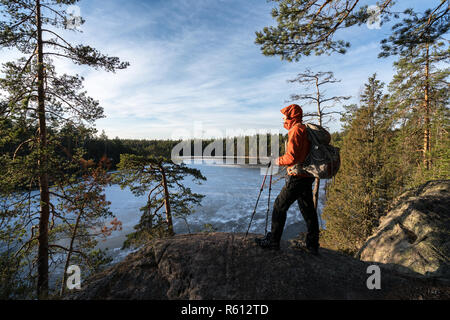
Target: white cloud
186	68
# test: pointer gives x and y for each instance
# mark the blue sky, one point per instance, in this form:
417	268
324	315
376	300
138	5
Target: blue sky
194	64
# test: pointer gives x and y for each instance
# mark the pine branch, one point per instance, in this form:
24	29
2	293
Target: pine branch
20	146
73	250
59	37
55	44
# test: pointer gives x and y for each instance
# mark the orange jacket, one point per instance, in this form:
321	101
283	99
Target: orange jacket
298	143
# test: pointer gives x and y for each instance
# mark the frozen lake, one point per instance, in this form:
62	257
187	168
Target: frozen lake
230	196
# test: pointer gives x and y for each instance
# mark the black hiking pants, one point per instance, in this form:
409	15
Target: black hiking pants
300	189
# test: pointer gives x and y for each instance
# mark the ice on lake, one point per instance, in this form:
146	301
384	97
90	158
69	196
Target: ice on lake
230	196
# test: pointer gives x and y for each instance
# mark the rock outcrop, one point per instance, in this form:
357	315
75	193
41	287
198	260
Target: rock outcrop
416	233
230	266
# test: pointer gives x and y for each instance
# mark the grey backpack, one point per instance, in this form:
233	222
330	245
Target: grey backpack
323	160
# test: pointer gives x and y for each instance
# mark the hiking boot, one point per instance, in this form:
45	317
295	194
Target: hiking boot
313	250
312	244
267	242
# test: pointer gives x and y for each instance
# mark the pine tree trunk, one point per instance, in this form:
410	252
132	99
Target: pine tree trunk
69	254
42	282
166	201
426	135
319	115
319	111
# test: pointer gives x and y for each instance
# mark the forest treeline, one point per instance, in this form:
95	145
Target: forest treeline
97	147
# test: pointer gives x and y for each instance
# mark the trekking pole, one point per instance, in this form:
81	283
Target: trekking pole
268	201
257	200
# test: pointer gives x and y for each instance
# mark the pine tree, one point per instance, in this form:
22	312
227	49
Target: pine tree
360	191
41	98
305	27
167	197
85	216
419	88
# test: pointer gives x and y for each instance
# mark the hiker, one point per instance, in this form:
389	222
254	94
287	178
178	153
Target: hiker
298	186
